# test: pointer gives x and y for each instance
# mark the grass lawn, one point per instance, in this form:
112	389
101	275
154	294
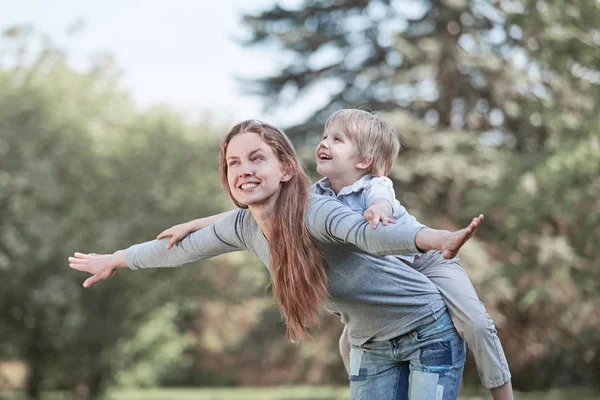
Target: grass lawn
288	393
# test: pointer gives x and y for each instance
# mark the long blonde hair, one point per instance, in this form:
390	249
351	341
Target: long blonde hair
297	267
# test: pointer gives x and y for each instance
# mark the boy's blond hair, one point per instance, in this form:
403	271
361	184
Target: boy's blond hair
371	135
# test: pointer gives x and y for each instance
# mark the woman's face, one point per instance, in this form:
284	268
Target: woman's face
254	173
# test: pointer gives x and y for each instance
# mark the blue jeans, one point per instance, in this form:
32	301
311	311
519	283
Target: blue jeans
425	364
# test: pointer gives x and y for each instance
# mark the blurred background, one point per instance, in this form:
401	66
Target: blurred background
110	118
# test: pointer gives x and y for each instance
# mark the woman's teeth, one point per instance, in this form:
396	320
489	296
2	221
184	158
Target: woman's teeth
249	185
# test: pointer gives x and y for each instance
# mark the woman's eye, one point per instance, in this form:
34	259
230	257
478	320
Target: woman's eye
231	163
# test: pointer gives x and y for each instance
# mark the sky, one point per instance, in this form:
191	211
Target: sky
178	52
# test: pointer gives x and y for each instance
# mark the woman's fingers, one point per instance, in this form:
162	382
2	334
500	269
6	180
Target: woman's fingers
96	264
78	261
82	255
80	264
79	267
90	281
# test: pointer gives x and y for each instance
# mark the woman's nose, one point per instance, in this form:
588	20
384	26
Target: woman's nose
245	170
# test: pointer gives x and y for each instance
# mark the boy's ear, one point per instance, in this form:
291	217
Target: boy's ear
364	162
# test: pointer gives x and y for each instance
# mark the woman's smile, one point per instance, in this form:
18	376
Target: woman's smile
254	173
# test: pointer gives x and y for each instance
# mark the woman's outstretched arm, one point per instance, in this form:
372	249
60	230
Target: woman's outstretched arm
224	236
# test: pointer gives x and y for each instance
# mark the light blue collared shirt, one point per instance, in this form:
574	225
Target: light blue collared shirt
362	193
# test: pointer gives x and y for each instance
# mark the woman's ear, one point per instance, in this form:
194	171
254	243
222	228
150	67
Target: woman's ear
364	162
288	173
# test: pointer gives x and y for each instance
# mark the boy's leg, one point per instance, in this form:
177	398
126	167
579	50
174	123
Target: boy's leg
471	321
503	392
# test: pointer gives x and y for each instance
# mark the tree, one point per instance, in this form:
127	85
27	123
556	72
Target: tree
82	170
494	101
434	58
544	209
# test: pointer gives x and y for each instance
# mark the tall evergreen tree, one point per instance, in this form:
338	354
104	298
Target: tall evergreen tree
448	61
495	100
545	209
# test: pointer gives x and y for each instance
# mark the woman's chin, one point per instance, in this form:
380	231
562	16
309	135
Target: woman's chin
249	199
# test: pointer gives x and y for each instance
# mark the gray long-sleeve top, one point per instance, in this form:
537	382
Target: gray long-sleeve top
377	296
361	194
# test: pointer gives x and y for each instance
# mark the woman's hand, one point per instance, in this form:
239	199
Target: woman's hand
101	266
176	233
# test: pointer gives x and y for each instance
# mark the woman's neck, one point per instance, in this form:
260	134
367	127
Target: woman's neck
264	218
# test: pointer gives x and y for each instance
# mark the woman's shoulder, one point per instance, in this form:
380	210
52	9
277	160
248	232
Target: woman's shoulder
237	226
239	220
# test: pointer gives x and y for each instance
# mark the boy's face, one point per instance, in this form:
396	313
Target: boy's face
336	155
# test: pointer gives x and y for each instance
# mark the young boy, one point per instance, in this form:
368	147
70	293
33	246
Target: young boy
357	150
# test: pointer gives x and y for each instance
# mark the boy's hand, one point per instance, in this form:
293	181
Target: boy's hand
377	213
176	233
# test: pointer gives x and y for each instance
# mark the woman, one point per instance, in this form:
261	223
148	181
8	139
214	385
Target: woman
403	342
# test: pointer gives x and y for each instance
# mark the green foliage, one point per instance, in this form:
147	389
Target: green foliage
495	103
81	170
157	348
298	393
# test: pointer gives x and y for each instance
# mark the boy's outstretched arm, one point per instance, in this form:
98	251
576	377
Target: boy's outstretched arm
331	221
381	198
180	231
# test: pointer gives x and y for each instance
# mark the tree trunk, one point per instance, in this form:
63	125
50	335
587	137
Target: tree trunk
32	387
34	358
96	385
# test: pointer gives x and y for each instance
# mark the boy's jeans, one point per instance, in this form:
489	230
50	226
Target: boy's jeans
425	364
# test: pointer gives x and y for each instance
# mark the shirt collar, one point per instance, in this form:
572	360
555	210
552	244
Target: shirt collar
324	185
